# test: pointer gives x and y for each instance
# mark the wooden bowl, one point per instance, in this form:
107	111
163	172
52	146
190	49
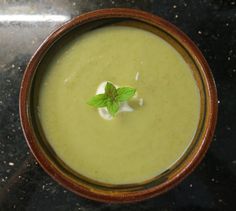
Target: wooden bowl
120	193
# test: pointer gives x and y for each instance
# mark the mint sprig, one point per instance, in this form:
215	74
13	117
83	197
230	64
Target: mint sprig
112	98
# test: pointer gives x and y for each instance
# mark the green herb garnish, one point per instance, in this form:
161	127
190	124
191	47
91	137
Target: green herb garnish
112	98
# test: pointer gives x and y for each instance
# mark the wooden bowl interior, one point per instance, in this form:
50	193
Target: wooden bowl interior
33	102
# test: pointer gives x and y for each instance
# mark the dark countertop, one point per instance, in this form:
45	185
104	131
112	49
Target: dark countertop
211	24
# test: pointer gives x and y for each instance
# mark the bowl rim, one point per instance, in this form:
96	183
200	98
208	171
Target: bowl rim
121	197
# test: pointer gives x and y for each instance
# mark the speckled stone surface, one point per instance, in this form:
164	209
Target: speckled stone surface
23	26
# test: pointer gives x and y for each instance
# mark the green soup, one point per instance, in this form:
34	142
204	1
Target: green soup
133	146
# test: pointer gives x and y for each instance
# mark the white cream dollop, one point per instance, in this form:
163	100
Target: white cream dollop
103	112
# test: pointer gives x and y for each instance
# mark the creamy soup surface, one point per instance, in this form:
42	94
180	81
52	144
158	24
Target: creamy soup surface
133	146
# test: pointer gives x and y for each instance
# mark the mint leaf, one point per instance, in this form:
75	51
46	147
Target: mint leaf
125	93
110	91
113	107
112	98
98	101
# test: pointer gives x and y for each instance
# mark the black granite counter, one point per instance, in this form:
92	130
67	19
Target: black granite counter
23	26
